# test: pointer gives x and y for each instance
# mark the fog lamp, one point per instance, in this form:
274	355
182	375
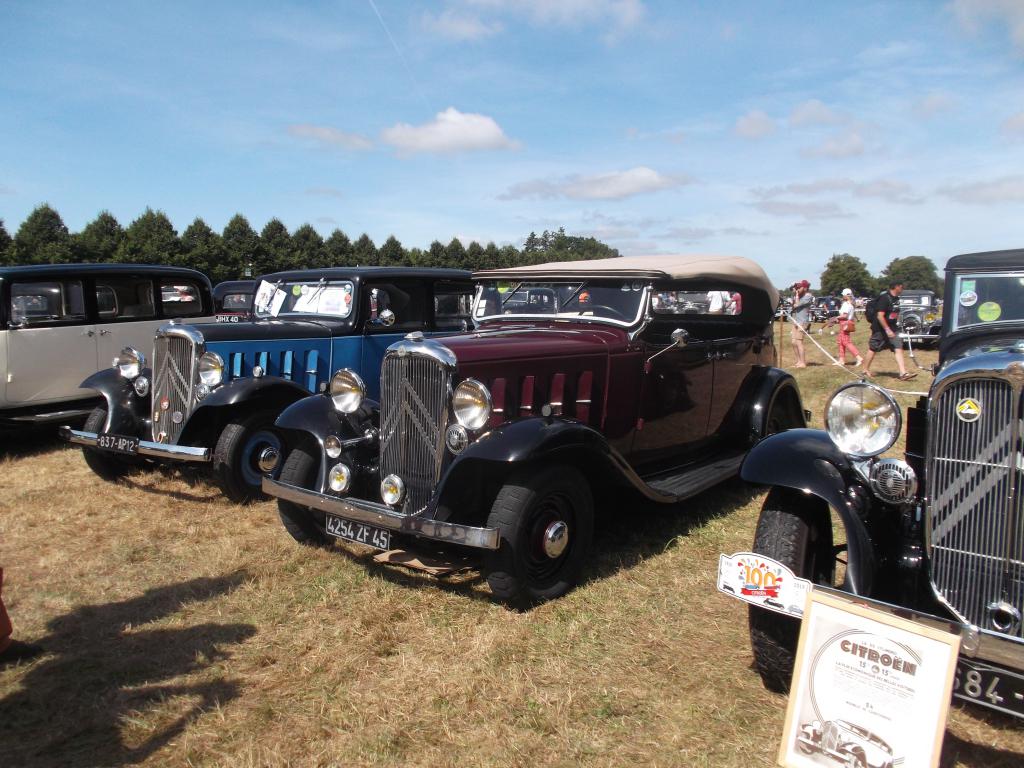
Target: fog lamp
392	490
332	446
339	478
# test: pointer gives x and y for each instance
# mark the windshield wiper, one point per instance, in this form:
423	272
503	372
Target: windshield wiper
573	295
512	293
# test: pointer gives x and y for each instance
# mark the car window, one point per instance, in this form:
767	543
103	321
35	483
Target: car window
617	301
691	302
405	301
452	307
132	298
47	302
328	298
180	298
983	299
236	301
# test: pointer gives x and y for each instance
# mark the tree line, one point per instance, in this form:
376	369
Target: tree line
239	251
846	271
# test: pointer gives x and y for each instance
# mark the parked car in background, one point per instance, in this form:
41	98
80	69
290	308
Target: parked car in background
937	535
824	307
232	300
920	321
580	377
60	322
214	390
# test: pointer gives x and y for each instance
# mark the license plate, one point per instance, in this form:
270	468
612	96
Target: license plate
990	686
378	538
118	443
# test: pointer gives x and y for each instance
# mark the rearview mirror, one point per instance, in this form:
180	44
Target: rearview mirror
386	318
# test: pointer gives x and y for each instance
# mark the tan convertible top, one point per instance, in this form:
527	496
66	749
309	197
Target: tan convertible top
691	266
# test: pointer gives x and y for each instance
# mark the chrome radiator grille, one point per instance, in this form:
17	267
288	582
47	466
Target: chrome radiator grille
975	527
174	380
414	395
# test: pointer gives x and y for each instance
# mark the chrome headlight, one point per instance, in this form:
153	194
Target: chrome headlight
392	490
471	404
347	390
339	478
211	369
130	362
863	419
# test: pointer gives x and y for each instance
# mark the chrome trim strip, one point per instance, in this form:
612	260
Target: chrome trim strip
368	512
146	447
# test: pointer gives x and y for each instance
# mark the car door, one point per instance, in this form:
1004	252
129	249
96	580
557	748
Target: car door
126	314
51	341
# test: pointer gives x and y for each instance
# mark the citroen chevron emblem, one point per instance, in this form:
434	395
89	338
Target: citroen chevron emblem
968	410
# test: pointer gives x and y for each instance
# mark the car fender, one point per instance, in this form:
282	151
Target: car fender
807	460
774	389
246	394
127	413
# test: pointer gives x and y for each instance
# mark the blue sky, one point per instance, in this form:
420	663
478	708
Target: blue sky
783	131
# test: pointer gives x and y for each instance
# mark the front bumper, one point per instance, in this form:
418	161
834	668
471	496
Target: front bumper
146	447
361	511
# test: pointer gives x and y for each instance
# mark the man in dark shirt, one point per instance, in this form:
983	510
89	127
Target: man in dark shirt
883	330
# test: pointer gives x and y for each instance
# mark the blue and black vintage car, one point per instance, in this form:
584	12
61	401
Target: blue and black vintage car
215	389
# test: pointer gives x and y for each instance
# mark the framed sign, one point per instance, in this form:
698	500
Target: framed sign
869	690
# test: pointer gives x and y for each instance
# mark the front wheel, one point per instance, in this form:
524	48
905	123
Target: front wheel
546	524
797	532
109	466
300	469
247	449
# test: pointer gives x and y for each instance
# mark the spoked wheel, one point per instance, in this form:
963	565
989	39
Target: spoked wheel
109	466
797	532
303	524
247	450
546	524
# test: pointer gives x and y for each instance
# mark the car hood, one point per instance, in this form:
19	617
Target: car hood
255	330
522	342
996	355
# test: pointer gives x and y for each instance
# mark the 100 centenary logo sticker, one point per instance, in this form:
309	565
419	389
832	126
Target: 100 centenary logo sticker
761	581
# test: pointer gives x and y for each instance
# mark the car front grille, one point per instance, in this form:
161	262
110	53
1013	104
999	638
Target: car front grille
174	381
415	389
974	516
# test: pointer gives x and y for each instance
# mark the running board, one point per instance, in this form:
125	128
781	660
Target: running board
680	484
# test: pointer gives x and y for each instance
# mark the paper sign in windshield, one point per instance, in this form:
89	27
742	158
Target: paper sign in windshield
764	582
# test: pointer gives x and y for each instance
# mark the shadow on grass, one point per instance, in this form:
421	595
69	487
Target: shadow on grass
960	751
25	442
100	670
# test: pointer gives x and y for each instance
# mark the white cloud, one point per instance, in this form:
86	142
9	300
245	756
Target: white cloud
606	186
754	125
888	54
326	220
813	112
806	211
975	14
933	104
891	191
1007	189
698	234
460	25
330	137
847	144
325	192
449	132
1013	126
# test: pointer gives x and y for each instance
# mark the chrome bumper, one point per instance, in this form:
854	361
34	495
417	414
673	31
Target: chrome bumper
146	447
360	511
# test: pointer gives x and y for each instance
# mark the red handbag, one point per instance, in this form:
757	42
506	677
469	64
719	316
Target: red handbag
847	326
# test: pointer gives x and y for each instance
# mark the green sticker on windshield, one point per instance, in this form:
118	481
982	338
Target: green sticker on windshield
966	285
296	290
989	312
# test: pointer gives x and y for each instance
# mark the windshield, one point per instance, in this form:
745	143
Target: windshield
984	299
618	301
332	298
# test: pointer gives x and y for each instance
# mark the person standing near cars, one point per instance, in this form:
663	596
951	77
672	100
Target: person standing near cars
800	317
847	321
883	334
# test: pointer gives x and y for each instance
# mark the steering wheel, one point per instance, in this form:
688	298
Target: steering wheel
616	314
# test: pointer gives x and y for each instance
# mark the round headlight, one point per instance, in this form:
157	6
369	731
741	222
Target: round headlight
339	478
863	420
347	390
332	446
392	490
130	362
211	369
471	404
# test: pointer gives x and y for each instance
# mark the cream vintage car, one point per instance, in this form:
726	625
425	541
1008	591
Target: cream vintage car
59	323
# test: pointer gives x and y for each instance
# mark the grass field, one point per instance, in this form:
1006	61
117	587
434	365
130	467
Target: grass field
183	630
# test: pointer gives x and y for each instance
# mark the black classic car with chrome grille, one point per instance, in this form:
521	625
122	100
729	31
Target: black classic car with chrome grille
939	535
580	377
215	389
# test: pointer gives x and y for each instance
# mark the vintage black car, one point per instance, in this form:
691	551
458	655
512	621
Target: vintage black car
580	377
214	390
940	533
232	300
920	321
60	322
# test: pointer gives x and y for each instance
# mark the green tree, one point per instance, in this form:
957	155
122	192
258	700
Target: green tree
456	254
511	256
492	257
100	239
475	256
365	251
42	239
150	239
338	250
241	248
308	248
391	254
6	251
203	249
846	271
275	251
915	272
437	257
532	243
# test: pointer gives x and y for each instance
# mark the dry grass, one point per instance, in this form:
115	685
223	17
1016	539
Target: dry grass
183	630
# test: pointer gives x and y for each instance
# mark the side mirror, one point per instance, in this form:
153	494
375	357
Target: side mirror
16	324
680	337
386	318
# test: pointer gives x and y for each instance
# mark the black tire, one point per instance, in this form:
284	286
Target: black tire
797	532
526	507
304	525
109	466
237	452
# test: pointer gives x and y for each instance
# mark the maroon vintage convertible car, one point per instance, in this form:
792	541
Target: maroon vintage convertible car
652	373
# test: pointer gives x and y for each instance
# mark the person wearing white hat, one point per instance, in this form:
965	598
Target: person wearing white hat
847	319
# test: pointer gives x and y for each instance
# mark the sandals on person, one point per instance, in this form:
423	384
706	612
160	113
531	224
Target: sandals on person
907	376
